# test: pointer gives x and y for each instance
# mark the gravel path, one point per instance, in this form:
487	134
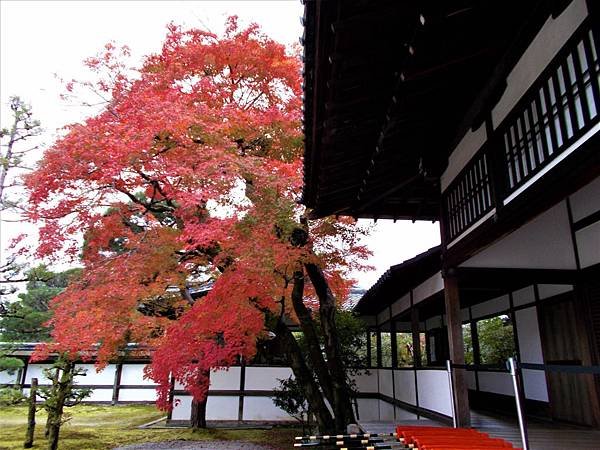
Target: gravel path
195	445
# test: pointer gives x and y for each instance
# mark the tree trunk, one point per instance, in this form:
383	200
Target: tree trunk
342	404
54	388
31	414
198	415
307	326
304	376
56	412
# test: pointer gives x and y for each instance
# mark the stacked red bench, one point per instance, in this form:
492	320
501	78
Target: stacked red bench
436	438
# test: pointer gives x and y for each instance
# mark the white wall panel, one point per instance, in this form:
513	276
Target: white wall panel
434	392
544	47
263	408
530	347
462	154
368	409
523	296
588	244
6	378
36	371
534	385
496	382
550	290
494	306
586	200
367	383
530	344
105	376
386	382
182	405
100	395
405	386
386	411
431	286
134	374
265	378
225	379
137	395
543	243
222	408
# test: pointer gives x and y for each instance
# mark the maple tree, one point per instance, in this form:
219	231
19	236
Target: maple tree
192	171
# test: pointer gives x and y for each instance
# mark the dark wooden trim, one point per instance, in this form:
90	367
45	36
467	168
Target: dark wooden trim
117	383
242	389
587	221
505	404
572	233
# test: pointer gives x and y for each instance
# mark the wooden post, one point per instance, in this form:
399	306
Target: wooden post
416	336
31	415
117	383
456	349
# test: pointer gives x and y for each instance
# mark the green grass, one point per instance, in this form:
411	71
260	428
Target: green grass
106	427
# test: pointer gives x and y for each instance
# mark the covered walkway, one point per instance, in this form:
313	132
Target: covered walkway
542	435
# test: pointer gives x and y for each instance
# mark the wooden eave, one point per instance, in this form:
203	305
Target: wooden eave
386	96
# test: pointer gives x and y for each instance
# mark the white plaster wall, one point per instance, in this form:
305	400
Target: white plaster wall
543	243
137	395
386	411
36	371
544	47
523	296
530	348
105	376
383	316
225	379
265	378
588	245
6	378
534	385
402	414
405	386
100	395
550	290
368	409
386	382
182	405
431	286
586	200
496	382
263	408
494	306
367	383
134	374
434	392
401	305
462	154
222	408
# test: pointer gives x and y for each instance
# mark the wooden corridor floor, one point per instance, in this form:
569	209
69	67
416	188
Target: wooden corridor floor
542	435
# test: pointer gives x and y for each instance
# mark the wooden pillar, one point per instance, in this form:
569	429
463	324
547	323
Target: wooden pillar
416	336
393	342
117	383
456	348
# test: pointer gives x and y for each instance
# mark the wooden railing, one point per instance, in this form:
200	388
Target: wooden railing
560	107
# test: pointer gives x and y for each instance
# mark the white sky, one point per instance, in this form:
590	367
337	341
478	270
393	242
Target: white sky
41	38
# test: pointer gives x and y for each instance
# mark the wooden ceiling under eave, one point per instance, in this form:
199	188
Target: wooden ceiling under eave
389	86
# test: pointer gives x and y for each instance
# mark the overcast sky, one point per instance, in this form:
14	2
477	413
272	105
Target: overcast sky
42	38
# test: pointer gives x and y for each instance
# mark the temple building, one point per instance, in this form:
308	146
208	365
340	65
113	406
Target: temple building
483	116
